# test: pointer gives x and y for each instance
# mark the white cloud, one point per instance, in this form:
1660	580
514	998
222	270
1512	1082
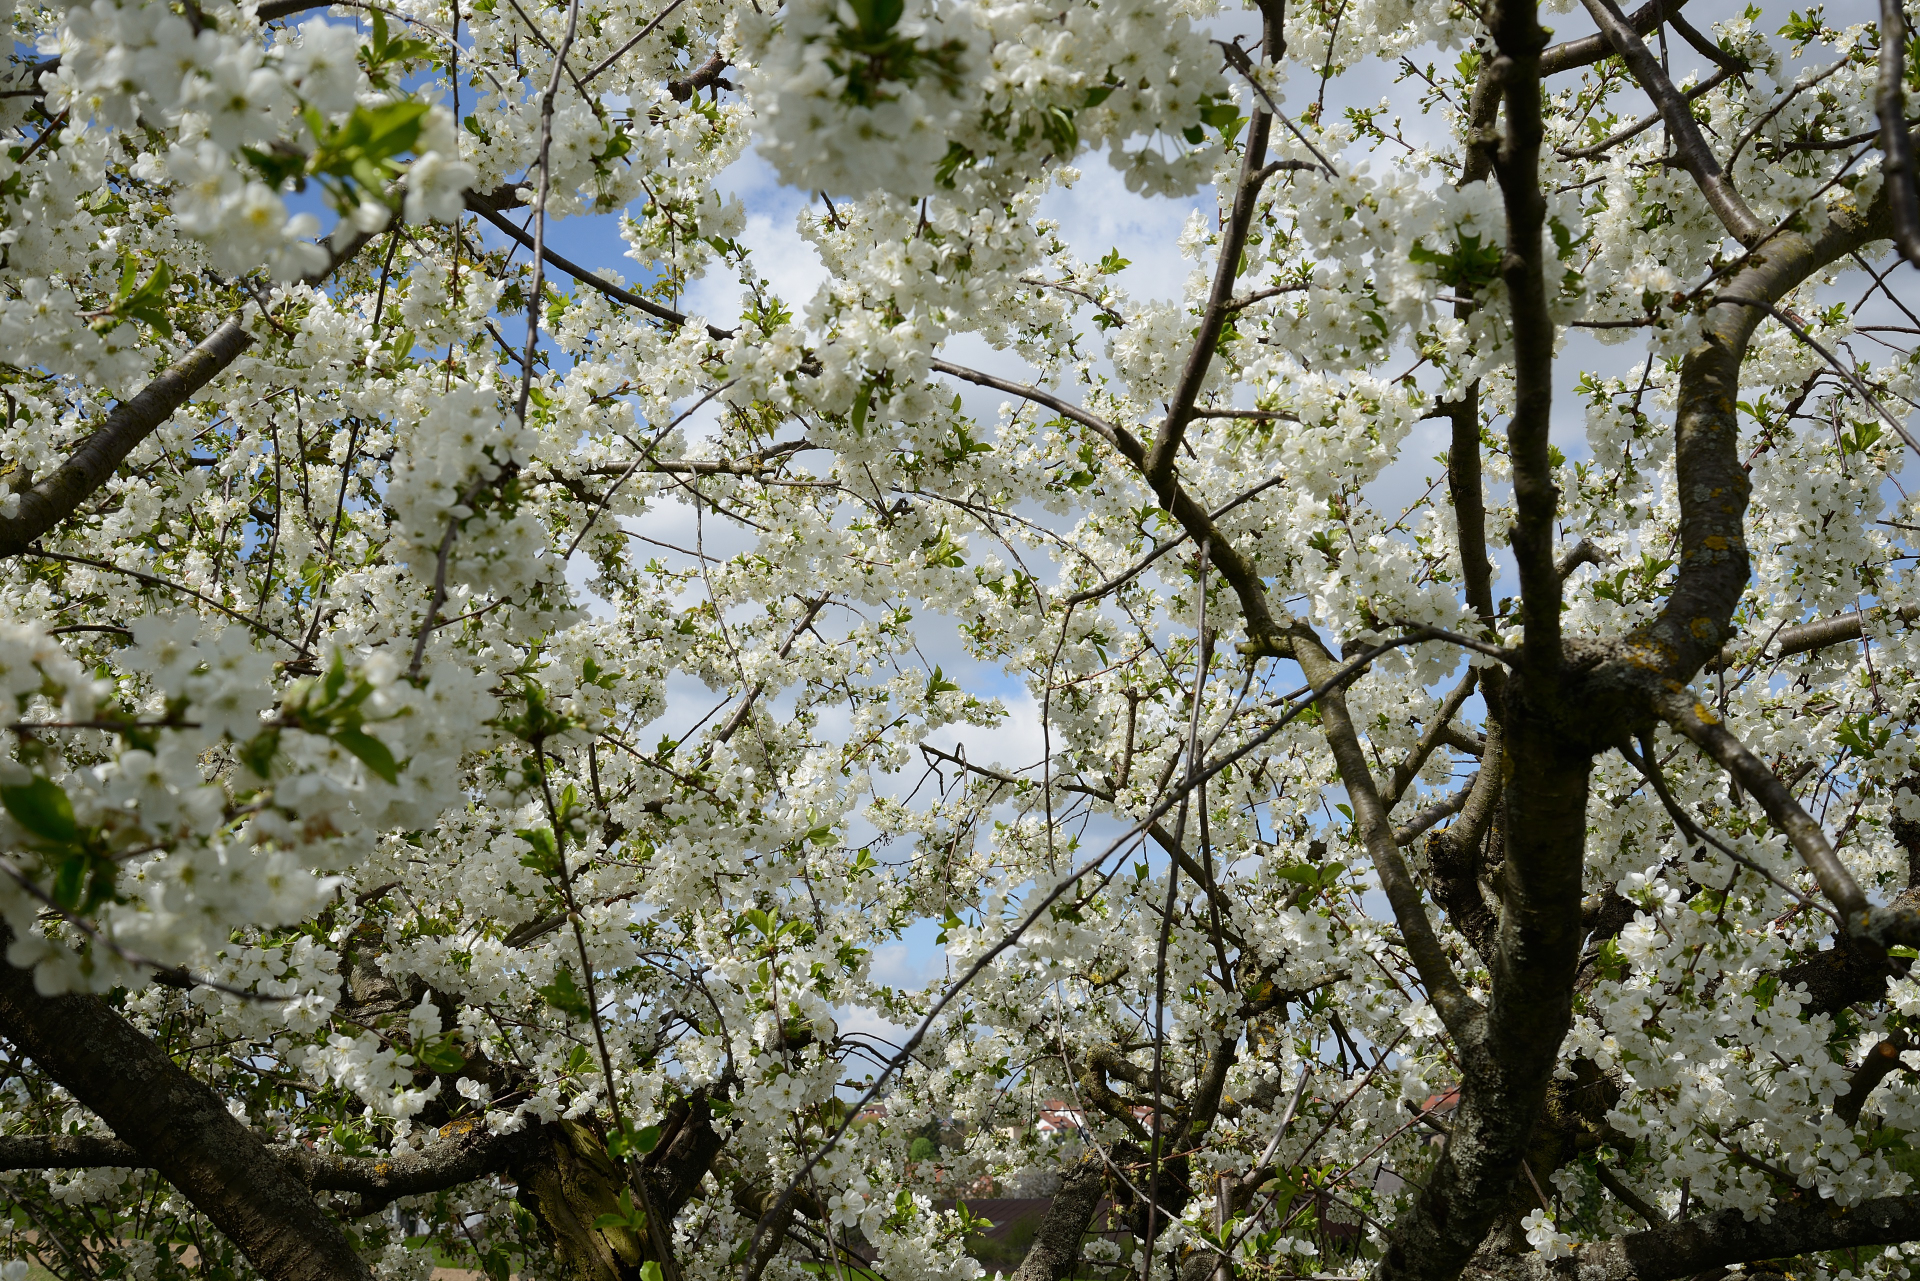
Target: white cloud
787	262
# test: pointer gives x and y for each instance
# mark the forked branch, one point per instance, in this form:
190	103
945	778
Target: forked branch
1689	143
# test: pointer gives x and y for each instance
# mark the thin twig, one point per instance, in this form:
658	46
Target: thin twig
157	581
1853	381
617	54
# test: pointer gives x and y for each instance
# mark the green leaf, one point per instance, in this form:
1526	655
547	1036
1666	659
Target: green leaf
628	1217
545	855
257	753
1859	734
564	996
43	809
627	1142
956	159
861	401
146	302
372	752
442	1055
393	128
278	165
1219	115
70	882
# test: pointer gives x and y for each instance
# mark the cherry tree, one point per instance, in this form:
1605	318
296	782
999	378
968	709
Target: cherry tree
475	720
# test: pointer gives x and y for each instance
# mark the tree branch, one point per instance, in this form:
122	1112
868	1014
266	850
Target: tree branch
1456	1007
1808	637
1722	1239
1056	1242
1896	169
51	500
467	1150
1421	822
1588	50
181	1127
1469	502
1233	240
1436	733
477	205
1627	1196
1645	123
1881	1061
1711	479
1705	730
1516	70
1265	633
65	1152
1688	142
47	503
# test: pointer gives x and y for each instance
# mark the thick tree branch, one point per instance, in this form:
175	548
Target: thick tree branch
46	503
1627	1196
1457	1009
54	498
1706	731
1056	1242
1454	856
1532	948
466	1151
1878	927
1516	69
1896	169
689	1146
708	75
1233	240
1688	141
1469	502
1881	1061
66	1152
181	1127
1808	637
1587	50
1721	1239
1711	479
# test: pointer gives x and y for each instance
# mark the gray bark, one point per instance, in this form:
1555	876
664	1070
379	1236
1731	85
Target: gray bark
1056	1243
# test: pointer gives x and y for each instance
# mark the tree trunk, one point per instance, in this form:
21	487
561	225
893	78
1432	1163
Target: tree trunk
180	1127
